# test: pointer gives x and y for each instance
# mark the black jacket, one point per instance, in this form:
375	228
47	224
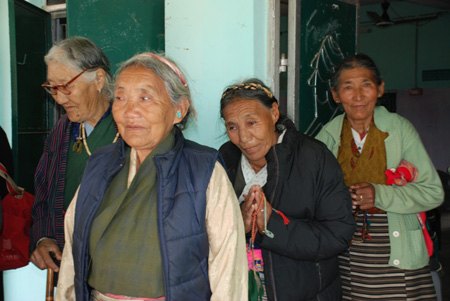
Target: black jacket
305	182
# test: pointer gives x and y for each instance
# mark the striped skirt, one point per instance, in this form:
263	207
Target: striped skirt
366	274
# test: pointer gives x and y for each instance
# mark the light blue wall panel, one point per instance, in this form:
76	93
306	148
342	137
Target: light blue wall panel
5	70
216	43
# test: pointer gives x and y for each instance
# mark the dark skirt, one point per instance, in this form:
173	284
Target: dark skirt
366	273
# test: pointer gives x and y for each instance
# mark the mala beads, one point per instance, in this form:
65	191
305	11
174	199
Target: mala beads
254	218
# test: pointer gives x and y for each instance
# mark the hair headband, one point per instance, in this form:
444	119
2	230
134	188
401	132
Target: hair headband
171	65
248	86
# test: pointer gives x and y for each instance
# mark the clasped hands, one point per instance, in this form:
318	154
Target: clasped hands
250	206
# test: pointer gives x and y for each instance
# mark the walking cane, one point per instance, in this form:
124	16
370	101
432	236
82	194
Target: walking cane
50	285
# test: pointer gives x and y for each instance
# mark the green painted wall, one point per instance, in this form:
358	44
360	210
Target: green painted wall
393	47
5	64
120	28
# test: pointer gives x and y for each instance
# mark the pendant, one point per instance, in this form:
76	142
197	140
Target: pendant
78	146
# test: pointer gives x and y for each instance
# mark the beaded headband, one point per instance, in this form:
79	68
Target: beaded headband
248	86
171	66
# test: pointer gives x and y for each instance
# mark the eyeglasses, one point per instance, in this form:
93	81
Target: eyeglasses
64	88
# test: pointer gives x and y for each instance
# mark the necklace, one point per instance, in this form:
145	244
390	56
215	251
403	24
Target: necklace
78	145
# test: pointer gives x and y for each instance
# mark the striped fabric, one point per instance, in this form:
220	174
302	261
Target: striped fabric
366	274
47	211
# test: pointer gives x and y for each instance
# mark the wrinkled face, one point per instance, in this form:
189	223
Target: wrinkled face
358	92
251	127
83	103
142	109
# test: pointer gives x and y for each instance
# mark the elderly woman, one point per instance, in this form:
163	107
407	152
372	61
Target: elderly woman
388	258
78	78
156	216
294	187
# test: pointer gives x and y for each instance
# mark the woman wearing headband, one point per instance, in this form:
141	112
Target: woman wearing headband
155	217
294	188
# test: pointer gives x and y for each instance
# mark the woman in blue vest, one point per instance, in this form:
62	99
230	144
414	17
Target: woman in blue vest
293	186
155	217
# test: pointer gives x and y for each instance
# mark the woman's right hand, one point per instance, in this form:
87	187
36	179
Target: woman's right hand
41	255
249	206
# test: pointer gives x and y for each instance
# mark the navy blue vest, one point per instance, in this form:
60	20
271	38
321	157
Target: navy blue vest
183	177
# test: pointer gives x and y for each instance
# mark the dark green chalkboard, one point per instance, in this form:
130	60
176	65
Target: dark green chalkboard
329	25
121	28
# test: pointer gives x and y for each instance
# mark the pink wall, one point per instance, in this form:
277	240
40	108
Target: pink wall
430	114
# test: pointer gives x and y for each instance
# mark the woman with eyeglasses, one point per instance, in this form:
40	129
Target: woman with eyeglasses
78	78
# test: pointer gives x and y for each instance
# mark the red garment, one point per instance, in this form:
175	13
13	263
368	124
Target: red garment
403	174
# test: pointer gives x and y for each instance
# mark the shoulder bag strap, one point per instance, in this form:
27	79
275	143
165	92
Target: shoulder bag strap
10	184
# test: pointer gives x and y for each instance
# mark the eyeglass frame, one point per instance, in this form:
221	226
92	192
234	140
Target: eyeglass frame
64	86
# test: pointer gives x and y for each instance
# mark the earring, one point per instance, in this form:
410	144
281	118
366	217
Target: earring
178	114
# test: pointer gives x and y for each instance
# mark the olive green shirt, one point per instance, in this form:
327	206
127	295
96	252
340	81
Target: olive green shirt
124	248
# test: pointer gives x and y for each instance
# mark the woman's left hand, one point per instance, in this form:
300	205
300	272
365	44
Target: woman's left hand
363	195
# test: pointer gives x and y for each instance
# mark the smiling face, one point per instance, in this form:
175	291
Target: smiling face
143	110
358	93
84	103
251	127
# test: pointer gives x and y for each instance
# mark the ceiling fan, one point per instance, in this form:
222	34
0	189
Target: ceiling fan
384	20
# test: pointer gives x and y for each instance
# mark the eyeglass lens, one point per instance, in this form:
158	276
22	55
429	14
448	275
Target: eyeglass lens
53	90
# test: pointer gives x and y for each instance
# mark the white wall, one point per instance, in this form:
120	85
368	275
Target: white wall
217	43
38	3
5	71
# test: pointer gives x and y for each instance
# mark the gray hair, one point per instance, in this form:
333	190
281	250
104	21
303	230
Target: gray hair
352	62
79	53
171	75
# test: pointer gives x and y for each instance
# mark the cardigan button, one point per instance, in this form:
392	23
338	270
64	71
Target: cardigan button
396	233
396	262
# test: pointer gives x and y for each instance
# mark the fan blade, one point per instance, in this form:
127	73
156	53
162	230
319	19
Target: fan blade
374	16
414	20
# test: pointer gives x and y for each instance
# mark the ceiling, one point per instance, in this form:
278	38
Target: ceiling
440	4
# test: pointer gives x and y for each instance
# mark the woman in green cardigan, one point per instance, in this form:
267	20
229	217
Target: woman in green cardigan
388	257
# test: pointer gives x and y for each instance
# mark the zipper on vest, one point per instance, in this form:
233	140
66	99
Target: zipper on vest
272	282
159	223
